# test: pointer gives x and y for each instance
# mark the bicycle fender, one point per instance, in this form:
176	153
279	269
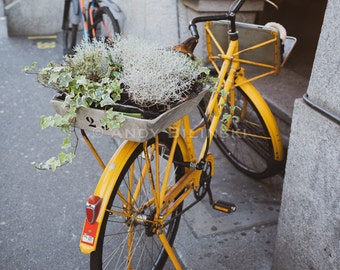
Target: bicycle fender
184	149
116	11
267	115
90	233
107	181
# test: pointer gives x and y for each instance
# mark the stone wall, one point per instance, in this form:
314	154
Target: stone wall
162	21
3	21
167	21
35	17
154	20
309	223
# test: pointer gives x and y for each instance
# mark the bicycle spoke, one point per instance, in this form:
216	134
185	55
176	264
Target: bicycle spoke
130	237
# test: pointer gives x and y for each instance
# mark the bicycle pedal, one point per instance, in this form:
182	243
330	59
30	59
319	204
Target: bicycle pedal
224	206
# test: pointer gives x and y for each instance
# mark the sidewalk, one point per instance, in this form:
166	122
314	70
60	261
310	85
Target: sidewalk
243	240
42	220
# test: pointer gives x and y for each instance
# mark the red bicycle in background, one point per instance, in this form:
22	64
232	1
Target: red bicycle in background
100	19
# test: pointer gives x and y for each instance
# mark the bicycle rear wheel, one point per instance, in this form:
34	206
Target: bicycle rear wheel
128	238
245	139
105	25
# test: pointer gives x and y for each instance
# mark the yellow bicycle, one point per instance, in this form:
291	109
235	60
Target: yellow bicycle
134	214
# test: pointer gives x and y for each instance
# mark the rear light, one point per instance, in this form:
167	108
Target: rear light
92	208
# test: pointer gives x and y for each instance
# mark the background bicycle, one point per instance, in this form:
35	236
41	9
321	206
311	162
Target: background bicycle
100	19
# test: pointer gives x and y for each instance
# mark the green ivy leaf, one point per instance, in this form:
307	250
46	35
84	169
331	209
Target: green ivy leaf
29	68
65	129
65	79
226	117
106	100
113	119
97	94
224	93
65	157
44	121
81	80
72	112
51	164
66	143
60	120
81	102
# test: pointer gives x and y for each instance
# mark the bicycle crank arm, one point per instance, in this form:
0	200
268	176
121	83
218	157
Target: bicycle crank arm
226	207
219	205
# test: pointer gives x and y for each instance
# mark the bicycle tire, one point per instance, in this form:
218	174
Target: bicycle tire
247	143
148	252
105	25
70	30
70	39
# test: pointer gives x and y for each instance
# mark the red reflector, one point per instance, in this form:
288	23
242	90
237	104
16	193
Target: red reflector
92	208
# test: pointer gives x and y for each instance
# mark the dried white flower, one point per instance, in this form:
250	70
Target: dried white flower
154	76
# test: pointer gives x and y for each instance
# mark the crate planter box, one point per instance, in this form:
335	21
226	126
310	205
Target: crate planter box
133	129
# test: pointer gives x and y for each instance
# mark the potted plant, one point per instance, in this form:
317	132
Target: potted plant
131	78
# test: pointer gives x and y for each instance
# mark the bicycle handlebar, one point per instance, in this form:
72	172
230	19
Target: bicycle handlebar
193	27
235	7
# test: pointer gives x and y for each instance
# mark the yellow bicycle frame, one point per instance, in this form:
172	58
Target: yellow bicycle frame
234	78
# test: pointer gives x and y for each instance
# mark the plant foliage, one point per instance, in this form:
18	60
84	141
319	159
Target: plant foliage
98	74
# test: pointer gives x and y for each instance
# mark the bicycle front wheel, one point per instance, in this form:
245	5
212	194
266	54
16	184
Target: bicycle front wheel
244	138
105	25
71	20
128	235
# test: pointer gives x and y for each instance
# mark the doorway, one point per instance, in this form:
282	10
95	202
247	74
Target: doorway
302	19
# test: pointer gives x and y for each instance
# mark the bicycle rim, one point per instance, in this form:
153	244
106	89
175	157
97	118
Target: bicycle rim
127	239
245	139
105	25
